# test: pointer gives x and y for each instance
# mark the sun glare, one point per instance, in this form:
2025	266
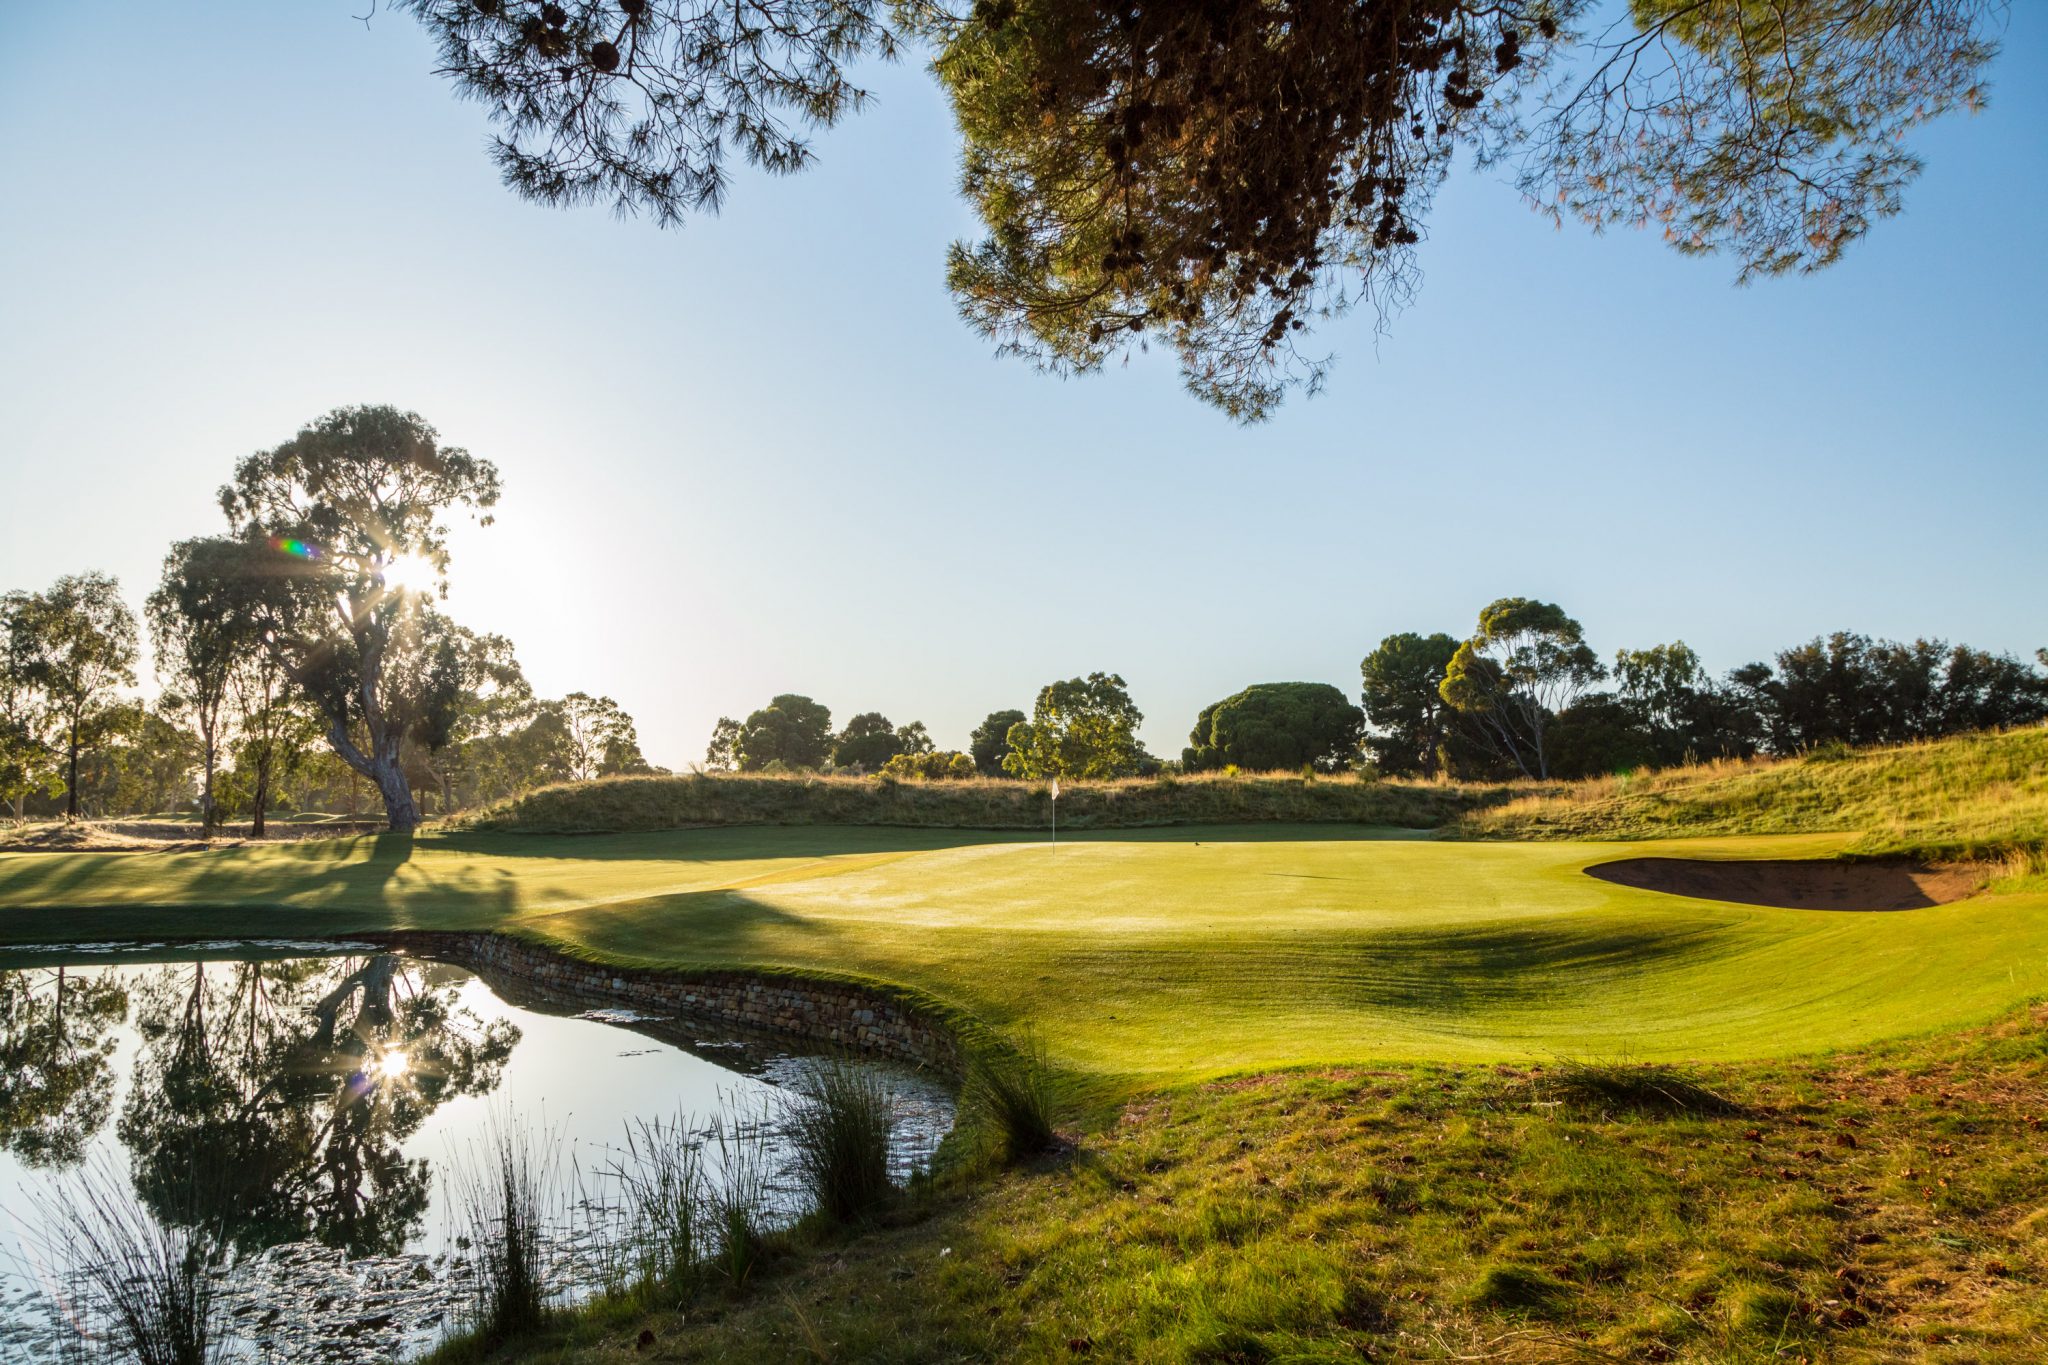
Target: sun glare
411	573
391	1065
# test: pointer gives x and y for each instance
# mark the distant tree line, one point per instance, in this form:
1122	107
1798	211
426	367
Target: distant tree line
301	654
1523	695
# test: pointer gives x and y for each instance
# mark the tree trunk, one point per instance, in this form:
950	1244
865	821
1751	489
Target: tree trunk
71	785
262	798
399	807
209	818
381	766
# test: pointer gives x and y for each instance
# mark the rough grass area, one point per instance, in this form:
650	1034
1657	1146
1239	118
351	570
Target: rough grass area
1974	797
1891	1206
632	804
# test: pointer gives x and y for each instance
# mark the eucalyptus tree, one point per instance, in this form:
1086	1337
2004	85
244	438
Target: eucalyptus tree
722	754
201	632
28	763
602	740
78	643
1079	728
1216	178
1527	662
334	525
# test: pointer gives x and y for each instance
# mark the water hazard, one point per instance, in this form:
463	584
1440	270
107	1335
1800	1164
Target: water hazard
319	1112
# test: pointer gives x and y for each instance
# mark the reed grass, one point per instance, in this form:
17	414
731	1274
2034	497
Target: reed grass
506	1190
1008	1100
840	1118
147	1288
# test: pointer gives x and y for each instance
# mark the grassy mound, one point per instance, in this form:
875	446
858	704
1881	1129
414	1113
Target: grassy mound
636	804
1972	797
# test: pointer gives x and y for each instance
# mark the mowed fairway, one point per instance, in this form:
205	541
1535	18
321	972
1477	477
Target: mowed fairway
1147	953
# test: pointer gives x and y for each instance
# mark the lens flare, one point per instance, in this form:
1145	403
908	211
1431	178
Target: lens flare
297	549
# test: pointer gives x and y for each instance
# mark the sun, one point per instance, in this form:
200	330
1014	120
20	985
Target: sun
411	573
391	1065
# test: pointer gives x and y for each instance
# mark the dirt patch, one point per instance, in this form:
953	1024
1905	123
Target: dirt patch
1815	884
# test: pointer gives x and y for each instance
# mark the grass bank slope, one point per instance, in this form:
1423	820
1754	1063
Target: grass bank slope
1139	956
1973	797
633	804
1885	1207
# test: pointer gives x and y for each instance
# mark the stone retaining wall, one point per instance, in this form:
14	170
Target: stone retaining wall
840	1015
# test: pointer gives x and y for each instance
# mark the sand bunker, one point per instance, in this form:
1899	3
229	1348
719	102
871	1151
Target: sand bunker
1817	884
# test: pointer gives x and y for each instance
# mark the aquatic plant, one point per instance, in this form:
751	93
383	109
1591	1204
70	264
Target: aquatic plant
840	1117
505	1190
147	1287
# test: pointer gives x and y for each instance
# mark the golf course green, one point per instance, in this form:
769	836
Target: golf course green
1143	955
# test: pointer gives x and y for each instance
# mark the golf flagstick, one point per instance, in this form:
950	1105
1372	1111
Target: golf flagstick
1055	813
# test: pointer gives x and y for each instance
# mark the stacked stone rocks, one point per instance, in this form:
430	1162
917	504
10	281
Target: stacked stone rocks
857	1018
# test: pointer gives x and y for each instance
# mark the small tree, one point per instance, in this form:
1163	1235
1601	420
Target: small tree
867	742
1527	662
340	527
81	640
28	761
602	740
722	755
989	745
200	632
791	730
276	731
1079	728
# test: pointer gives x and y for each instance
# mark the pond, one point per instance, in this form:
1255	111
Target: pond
322	1109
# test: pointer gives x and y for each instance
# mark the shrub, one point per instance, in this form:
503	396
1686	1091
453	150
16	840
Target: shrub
940	765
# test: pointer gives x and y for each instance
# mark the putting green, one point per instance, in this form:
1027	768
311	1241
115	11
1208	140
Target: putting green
1185	951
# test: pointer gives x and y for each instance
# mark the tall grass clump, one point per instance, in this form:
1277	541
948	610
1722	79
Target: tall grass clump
738	1202
147	1288
504	1195
841	1119
661	1183
1635	1087
1008	1100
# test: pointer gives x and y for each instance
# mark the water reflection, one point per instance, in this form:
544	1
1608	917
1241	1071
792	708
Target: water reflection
56	1062
262	1105
303	1113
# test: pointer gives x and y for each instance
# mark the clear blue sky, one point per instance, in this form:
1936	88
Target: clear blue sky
761	453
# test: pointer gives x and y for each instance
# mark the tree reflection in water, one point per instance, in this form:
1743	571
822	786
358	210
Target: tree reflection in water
56	1061
269	1101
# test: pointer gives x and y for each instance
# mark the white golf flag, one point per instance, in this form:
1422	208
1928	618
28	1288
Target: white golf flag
1055	789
